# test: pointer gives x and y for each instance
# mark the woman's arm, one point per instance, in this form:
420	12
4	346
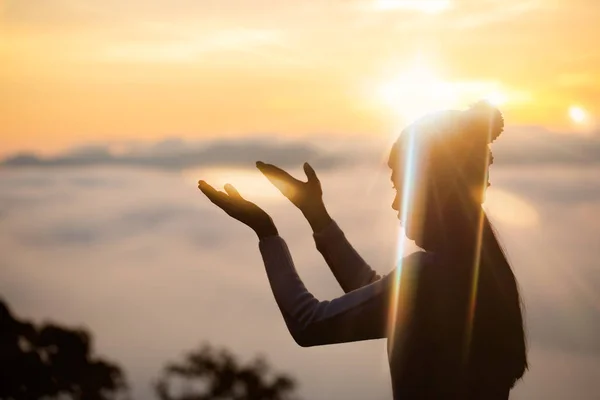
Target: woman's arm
359	315
348	267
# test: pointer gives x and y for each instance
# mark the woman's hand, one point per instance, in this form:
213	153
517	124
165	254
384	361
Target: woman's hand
241	209
307	196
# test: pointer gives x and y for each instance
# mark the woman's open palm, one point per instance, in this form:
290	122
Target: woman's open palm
304	195
237	207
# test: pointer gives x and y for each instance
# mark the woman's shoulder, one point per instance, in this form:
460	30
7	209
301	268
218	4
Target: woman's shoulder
419	260
422	267
414	269
415	266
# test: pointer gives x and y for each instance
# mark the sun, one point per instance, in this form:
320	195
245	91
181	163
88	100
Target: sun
420	89
416	91
496	98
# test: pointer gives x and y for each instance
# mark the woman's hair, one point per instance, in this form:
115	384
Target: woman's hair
497	332
452	158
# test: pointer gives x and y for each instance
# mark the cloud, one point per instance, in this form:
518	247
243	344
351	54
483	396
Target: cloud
153	269
517	146
536	145
81	232
177	154
554	184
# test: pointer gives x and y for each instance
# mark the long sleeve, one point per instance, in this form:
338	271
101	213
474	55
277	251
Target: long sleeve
359	315
348	267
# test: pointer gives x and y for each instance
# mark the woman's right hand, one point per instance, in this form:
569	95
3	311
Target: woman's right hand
307	196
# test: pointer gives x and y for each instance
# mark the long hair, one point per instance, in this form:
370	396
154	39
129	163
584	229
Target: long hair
498	333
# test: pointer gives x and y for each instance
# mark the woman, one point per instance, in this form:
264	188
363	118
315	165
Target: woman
451	313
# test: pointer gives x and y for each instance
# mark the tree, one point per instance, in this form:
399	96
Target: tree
53	361
207	374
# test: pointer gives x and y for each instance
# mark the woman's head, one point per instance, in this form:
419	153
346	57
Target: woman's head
440	171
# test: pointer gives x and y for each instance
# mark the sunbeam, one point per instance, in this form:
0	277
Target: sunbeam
407	187
476	261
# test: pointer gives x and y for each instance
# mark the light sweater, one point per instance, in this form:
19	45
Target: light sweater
360	314
401	306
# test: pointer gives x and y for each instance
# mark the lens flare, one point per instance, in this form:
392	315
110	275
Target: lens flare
398	310
475	276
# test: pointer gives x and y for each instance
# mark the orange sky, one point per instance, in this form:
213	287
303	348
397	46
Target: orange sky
91	70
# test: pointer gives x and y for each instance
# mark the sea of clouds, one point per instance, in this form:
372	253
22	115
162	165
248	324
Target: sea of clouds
120	240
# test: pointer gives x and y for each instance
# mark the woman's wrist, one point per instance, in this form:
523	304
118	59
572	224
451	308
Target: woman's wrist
266	229
317	217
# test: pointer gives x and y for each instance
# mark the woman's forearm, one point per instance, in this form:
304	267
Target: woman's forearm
349	268
265	229
360	315
317	217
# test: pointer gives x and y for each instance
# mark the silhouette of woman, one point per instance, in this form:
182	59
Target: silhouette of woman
452	312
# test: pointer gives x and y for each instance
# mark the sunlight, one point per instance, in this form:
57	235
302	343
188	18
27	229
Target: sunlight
251	184
496	98
419	89
508	208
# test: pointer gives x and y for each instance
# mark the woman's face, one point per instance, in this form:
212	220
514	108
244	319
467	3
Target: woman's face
397	166
412	194
408	182
404	170
397	186
407	201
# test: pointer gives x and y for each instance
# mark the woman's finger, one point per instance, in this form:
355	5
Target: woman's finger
218	198
310	173
273	172
283	181
232	191
208	190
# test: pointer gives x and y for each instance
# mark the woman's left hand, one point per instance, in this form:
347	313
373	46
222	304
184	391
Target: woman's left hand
241	209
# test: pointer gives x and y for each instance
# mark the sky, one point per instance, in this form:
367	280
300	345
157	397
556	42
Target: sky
89	70
111	111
